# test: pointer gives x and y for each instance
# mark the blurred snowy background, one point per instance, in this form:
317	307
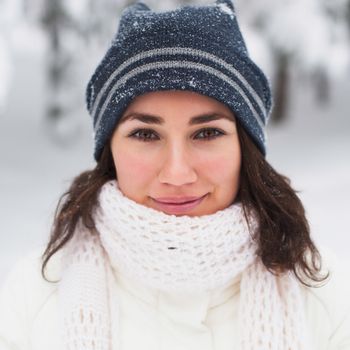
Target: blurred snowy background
49	48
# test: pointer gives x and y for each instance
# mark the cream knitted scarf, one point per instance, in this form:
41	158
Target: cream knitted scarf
172	253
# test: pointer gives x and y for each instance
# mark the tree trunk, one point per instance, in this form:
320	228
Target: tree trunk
281	88
53	19
322	88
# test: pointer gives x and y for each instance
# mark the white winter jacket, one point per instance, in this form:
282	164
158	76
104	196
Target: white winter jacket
29	313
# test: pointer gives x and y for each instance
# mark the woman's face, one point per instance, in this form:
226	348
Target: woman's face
170	145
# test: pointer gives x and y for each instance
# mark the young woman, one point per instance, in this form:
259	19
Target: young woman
182	236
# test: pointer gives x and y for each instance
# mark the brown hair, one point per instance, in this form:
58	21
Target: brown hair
284	242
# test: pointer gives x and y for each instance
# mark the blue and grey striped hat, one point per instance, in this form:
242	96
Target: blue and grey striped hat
197	48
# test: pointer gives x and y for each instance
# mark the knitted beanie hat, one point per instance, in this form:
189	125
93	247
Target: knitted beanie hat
196	48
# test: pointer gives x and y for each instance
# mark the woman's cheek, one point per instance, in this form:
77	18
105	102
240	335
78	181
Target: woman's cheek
223	167
216	169
134	164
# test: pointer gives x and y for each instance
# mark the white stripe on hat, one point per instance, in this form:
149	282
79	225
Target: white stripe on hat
176	51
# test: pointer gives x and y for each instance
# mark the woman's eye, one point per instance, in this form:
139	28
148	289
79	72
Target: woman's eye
210	133
147	135
142	135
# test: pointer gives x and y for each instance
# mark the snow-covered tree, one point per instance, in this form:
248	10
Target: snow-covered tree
308	36
76	33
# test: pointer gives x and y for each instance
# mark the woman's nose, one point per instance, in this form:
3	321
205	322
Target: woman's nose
178	166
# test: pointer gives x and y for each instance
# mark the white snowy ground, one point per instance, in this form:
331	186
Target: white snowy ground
312	149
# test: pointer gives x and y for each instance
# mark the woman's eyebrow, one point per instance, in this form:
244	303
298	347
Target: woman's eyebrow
152	119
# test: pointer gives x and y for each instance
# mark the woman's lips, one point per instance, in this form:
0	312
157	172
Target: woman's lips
178	208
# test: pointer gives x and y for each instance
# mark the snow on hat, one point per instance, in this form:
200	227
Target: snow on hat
196	48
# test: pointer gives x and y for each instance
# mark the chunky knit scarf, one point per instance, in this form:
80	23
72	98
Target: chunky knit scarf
172	253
